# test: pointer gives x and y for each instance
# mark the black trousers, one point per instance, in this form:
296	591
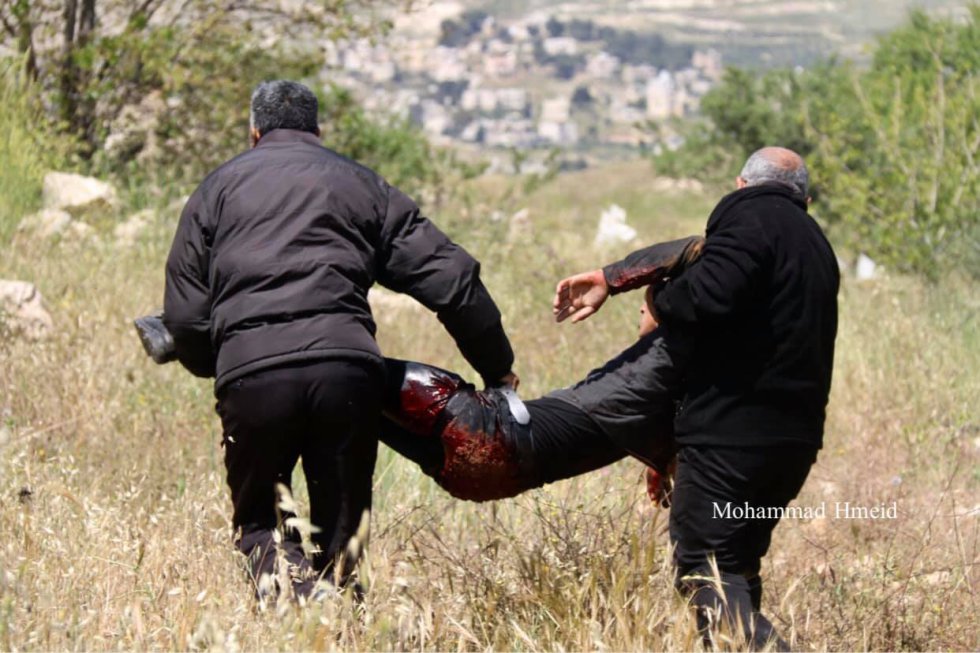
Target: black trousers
748	480
326	413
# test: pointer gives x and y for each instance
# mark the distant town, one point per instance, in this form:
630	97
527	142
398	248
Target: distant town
533	83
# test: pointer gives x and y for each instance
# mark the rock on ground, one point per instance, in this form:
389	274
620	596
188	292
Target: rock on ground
865	268
613	228
46	223
77	194
22	310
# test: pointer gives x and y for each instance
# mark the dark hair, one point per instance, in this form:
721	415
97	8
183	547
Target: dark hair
282	104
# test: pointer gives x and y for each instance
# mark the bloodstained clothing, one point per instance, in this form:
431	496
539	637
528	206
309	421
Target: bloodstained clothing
471	443
651	265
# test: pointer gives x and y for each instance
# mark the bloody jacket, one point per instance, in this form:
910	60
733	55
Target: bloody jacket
276	250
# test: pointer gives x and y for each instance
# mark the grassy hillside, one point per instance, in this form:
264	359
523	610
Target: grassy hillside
117	520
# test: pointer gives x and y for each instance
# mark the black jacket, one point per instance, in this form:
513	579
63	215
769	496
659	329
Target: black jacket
757	316
276	250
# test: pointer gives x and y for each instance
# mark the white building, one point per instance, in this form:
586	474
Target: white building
560	45
434	117
556	109
559	133
708	63
602	65
660	98
447	65
513	99
500	64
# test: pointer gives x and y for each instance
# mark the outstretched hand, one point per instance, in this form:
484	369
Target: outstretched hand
580	296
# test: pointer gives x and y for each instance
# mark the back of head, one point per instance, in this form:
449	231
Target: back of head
777	165
282	104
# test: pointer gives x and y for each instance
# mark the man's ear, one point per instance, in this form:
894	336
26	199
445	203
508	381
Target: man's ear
254	135
318	132
740	183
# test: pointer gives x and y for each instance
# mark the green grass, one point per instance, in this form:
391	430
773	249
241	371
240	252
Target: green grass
27	147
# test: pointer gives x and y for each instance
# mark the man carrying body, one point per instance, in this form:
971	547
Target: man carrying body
266	290
751	328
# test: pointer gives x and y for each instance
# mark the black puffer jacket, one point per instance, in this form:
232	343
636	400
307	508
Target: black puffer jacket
276	250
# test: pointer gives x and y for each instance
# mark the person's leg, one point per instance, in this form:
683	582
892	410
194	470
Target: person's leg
425	450
703	482
631	397
561	442
713	488
784	470
263	420
338	458
566	442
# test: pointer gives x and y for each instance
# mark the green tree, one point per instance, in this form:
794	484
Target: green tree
27	145
96	58
897	155
893	147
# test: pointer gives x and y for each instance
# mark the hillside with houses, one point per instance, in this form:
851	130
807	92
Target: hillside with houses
580	76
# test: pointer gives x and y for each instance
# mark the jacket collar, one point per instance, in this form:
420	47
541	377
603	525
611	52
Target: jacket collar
288	136
749	192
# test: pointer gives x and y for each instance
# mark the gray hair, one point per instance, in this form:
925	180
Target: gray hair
282	104
773	165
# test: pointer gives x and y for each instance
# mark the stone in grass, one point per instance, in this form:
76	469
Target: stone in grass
46	223
22	310
77	194
613	229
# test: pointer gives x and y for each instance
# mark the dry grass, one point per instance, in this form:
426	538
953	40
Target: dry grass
116	518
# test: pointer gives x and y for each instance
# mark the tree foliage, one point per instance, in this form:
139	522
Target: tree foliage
27	146
397	151
893	148
158	90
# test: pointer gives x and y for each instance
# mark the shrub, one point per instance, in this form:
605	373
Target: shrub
893	148
28	146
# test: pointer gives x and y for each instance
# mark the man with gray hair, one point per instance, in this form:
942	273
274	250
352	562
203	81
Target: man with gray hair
748	330
266	290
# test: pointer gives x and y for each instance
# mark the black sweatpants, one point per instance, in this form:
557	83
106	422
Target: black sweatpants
324	412
749	479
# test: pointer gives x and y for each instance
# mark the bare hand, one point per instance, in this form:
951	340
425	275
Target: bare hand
580	296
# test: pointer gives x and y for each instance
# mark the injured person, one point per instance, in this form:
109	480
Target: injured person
483	445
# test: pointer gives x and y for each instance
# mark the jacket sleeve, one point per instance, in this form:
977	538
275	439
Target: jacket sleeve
734	259
652	264
416	258
187	298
